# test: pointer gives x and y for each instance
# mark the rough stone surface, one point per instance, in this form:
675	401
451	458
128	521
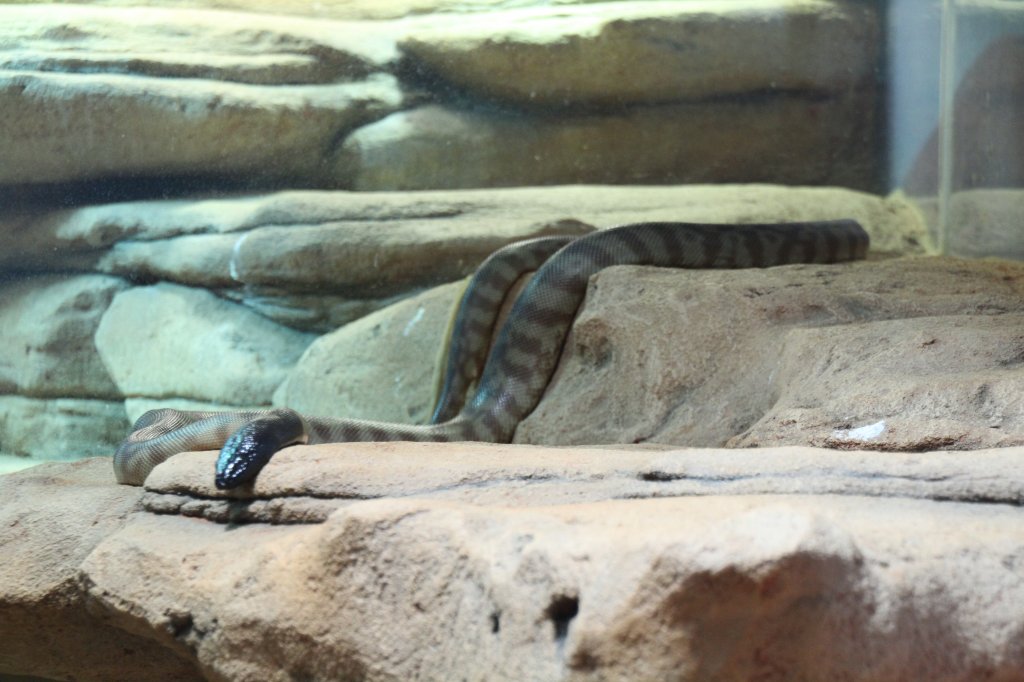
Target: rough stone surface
92	93
48	324
305	484
512	562
317	260
51	517
364	369
777	140
60	428
546	56
925	350
170	341
97	95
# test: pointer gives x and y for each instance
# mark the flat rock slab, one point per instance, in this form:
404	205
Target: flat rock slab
90	93
304	484
864	584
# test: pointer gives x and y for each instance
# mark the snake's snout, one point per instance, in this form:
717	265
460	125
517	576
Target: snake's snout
249	449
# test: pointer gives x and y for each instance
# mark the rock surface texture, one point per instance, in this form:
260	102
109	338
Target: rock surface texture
389	561
183	100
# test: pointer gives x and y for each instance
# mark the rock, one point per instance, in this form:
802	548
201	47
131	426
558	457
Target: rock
948	381
777	139
305	484
169	341
514	562
382	366
597	55
306	259
717	357
60	428
138	92
48	324
51	518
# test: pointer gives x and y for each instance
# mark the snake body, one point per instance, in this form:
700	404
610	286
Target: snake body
523	356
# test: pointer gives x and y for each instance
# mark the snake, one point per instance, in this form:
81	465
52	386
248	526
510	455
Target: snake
509	378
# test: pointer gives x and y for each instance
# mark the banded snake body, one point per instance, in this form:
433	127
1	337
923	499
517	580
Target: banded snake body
524	354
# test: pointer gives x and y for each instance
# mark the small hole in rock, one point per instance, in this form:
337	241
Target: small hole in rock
496	622
561	611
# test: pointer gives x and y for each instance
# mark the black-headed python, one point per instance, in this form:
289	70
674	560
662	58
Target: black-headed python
523	356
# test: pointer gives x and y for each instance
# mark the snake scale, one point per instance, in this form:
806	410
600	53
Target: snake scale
523	356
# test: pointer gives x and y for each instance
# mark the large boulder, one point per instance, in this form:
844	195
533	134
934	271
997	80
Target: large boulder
925	351
48	324
169	341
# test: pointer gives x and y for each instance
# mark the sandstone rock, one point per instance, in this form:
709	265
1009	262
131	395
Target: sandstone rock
699	358
172	341
307	261
48	324
381	366
143	92
727	587
600	55
342	9
60	428
51	517
775	139
130	125
949	381
511	562
305	484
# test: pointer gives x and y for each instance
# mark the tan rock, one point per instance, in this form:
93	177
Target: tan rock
129	124
511	562
169	341
60	428
48	324
779	140
145	92
305	484
51	517
616	54
306	259
698	358
948	381
364	370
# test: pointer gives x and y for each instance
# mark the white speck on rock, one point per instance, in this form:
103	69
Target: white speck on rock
413	322
862	433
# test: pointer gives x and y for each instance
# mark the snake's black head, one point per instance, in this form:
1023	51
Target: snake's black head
249	449
243	456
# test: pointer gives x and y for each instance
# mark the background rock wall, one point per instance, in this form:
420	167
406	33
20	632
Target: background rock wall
608	92
150	259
